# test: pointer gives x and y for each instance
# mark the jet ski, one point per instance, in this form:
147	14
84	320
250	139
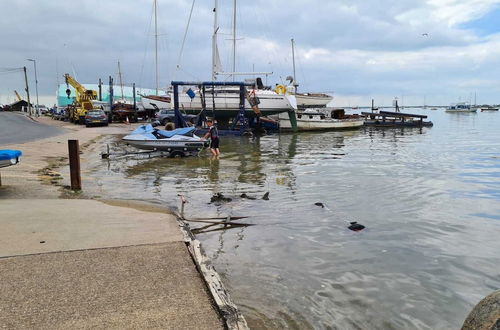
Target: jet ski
180	141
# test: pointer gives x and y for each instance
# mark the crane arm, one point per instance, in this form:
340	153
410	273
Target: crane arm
75	84
19	98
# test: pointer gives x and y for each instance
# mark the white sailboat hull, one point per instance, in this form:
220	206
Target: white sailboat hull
147	103
227	103
304	100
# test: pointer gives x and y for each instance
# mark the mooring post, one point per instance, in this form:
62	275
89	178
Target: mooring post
74	164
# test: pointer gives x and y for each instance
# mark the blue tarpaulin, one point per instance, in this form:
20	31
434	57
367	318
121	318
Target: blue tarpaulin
7	154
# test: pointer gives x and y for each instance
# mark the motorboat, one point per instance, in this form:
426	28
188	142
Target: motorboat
315	120
178	142
461	107
9	157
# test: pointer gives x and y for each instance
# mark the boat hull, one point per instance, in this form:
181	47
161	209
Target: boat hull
227	105
163	145
320	124
306	101
161	102
460	110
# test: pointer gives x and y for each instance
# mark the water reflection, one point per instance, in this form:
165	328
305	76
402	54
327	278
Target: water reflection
418	191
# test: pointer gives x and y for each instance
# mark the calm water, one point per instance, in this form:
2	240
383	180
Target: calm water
429	200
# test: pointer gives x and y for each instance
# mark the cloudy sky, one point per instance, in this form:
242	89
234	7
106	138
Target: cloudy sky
440	50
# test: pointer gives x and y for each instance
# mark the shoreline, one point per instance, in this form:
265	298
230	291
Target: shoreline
45	180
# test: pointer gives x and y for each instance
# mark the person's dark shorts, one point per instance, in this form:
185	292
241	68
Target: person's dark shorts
214	143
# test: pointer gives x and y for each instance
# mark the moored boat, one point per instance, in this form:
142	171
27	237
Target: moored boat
461	107
315	120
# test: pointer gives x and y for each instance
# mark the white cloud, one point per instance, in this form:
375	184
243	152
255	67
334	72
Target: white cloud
357	48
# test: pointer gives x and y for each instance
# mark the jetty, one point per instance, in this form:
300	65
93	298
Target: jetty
395	119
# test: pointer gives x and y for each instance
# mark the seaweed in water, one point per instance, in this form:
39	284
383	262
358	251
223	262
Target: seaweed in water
244	195
219	197
356	226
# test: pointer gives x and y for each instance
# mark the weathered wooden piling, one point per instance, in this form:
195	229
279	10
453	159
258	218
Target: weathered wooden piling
74	164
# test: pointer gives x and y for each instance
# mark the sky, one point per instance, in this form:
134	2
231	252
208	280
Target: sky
434	51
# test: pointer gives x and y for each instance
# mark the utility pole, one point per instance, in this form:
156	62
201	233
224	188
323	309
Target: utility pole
27	89
36	88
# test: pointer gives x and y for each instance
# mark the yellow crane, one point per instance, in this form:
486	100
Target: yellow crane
19	98
83	100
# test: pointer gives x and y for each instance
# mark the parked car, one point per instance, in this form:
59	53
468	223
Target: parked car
96	117
167	116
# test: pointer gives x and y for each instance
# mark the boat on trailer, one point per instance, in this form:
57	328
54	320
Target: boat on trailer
9	157
178	142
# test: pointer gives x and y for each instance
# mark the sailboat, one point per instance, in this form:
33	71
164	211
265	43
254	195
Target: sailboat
223	101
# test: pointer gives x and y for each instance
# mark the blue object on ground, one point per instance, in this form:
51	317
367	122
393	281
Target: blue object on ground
7	154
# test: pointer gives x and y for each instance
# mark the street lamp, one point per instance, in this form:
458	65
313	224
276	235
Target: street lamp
36	87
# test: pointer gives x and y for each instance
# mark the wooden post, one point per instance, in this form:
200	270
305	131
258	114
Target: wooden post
74	164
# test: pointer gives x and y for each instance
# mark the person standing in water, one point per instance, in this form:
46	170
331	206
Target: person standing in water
214	137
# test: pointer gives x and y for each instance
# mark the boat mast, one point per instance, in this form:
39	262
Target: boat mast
234	39
156	42
214	44
294	83
120	77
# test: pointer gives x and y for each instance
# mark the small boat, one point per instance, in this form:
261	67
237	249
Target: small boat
315	120
305	100
178	142
461	107
488	108
434	108
9	157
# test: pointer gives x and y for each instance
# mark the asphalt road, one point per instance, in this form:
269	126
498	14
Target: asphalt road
16	128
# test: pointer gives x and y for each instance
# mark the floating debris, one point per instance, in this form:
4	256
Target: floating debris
355	226
266	196
219	197
244	195
320	205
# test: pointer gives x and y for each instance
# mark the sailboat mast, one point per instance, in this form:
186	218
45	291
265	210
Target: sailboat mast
214	44
293	61
234	38
156	43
